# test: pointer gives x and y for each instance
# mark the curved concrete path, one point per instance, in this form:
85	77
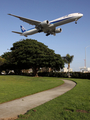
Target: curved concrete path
20	106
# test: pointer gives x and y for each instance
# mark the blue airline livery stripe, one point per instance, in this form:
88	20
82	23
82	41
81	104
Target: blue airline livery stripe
29	29
60	20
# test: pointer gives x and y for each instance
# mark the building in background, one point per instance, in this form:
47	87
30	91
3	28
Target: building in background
85	70
66	70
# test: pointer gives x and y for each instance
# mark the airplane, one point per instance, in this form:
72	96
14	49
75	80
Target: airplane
48	27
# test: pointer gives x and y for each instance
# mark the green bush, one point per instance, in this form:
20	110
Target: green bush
53	74
65	75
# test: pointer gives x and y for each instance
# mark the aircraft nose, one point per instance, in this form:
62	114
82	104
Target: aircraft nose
81	15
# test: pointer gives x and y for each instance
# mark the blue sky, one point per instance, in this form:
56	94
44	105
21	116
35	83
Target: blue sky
72	40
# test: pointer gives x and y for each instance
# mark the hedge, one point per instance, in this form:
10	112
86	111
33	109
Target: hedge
65	75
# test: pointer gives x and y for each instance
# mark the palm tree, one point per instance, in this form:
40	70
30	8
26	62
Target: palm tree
68	59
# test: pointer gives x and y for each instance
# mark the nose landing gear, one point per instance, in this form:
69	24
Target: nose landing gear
76	21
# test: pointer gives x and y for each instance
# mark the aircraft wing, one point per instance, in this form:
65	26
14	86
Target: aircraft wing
32	22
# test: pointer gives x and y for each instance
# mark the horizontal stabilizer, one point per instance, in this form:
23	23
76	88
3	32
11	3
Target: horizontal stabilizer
17	32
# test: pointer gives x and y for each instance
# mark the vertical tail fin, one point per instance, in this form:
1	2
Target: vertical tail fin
22	29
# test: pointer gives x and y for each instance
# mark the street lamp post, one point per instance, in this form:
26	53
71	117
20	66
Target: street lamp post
85	55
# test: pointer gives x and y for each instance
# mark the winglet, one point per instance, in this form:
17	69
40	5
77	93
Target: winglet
14	15
9	14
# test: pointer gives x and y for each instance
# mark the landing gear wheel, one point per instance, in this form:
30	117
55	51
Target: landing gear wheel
47	34
75	22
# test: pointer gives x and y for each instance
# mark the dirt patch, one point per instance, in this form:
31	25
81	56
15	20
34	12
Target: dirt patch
82	111
69	110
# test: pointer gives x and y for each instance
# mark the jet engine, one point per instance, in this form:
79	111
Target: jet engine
44	23
58	30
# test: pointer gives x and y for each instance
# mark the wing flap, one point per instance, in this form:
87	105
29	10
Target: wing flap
32	22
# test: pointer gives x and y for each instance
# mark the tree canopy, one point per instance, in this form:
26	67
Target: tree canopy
2	61
30	53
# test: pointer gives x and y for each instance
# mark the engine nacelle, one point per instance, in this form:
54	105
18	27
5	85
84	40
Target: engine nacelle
44	23
58	30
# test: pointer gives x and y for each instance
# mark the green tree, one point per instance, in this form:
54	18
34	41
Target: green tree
68	59
33	54
2	60
8	63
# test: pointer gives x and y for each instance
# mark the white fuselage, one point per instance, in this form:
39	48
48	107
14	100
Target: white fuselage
48	27
57	22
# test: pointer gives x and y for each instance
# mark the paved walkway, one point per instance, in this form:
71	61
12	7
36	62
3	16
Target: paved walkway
20	106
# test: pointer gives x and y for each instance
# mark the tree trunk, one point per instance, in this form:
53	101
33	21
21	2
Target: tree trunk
7	71
17	71
68	66
68	70
35	70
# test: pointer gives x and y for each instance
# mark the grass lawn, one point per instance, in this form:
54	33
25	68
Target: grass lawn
73	105
13	87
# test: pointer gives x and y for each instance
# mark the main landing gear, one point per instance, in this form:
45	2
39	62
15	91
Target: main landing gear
47	34
76	21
